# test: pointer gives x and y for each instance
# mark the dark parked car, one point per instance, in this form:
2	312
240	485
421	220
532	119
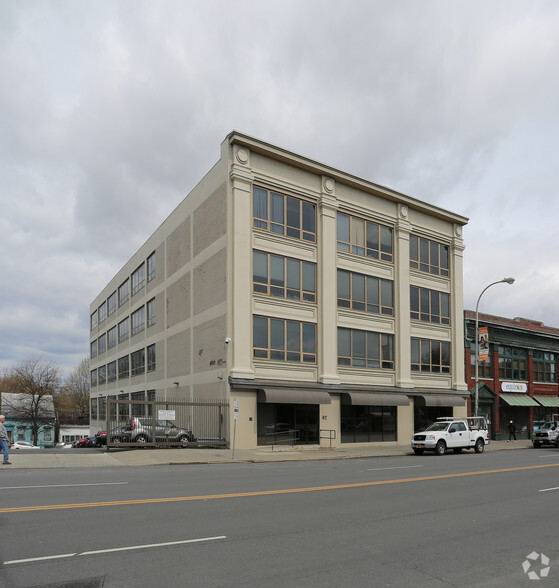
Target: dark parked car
142	429
115	435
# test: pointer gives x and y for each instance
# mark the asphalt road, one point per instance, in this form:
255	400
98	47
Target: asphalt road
456	520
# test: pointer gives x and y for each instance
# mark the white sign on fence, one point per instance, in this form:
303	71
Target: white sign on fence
166	415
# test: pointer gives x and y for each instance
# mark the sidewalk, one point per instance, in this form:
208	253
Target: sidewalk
75	458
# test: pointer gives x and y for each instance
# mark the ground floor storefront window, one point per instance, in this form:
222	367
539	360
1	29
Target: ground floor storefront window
362	424
520	416
289	424
423	416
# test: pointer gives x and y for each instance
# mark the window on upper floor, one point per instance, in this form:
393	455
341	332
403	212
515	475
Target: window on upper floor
151	365
429	256
545	367
102	343
93	349
484	367
513	363
111	303
111	338
365	349
102	374
365	238
111	371
94	377
138	320
123	367
429	306
150	306
151	267
283	277
93	409
123	330
430	356
138	279
94	319
366	293
138	362
283	215
103	312
124	292
284	340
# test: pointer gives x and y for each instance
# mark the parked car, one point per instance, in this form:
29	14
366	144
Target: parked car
24	445
116	434
80	442
141	429
547	434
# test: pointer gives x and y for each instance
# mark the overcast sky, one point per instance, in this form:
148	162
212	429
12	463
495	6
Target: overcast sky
112	111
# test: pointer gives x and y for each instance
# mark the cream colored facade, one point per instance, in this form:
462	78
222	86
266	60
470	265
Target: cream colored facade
201	295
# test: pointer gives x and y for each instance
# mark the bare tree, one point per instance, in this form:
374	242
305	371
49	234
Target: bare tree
35	383
74	395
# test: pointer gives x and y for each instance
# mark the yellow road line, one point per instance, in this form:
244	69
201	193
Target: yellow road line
269	492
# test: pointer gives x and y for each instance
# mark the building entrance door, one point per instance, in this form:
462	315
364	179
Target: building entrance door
306	422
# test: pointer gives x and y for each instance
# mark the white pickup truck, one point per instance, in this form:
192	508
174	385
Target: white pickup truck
452	433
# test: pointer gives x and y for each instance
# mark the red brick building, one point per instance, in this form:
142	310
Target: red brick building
518	381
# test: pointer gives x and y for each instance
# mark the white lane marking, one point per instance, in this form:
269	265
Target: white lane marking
394	468
61	485
47	557
17	561
548	489
148	546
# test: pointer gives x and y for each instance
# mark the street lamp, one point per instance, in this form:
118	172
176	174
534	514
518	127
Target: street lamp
503	281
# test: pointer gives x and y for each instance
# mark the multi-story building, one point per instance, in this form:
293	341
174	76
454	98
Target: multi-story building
320	302
518	381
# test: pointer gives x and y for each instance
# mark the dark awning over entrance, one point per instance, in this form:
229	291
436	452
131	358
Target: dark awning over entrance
443	400
376	399
518	400
293	396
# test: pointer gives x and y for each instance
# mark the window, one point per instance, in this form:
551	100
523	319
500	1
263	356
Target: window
94	319
429	305
151	358
512	363
430	356
484	367
284	215
151	312
364	238
102	312
139	279
138	320
428	256
102	343
102	374
137	409
151	267
93	410
366	293
362	424
111	303
111	371
124	292
138	361
283	277
94	377
123	367
102	408
365	349
111	338
545	367
123	330
93	347
284	340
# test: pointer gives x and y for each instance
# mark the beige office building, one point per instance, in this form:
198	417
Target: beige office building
325	308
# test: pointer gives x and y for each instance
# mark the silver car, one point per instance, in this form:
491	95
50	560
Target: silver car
142	429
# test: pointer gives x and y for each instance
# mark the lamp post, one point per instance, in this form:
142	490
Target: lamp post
503	281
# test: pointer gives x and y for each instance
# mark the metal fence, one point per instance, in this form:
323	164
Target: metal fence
167	423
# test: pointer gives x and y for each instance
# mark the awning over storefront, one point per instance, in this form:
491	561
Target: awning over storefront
546	400
518	400
443	400
376	399
293	396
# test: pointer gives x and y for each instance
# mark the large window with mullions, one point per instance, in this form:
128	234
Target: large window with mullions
429	256
283	277
284	340
366	293
364	238
365	349
284	215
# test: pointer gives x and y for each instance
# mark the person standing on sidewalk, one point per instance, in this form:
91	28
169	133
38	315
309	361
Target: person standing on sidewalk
512	431
4	440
